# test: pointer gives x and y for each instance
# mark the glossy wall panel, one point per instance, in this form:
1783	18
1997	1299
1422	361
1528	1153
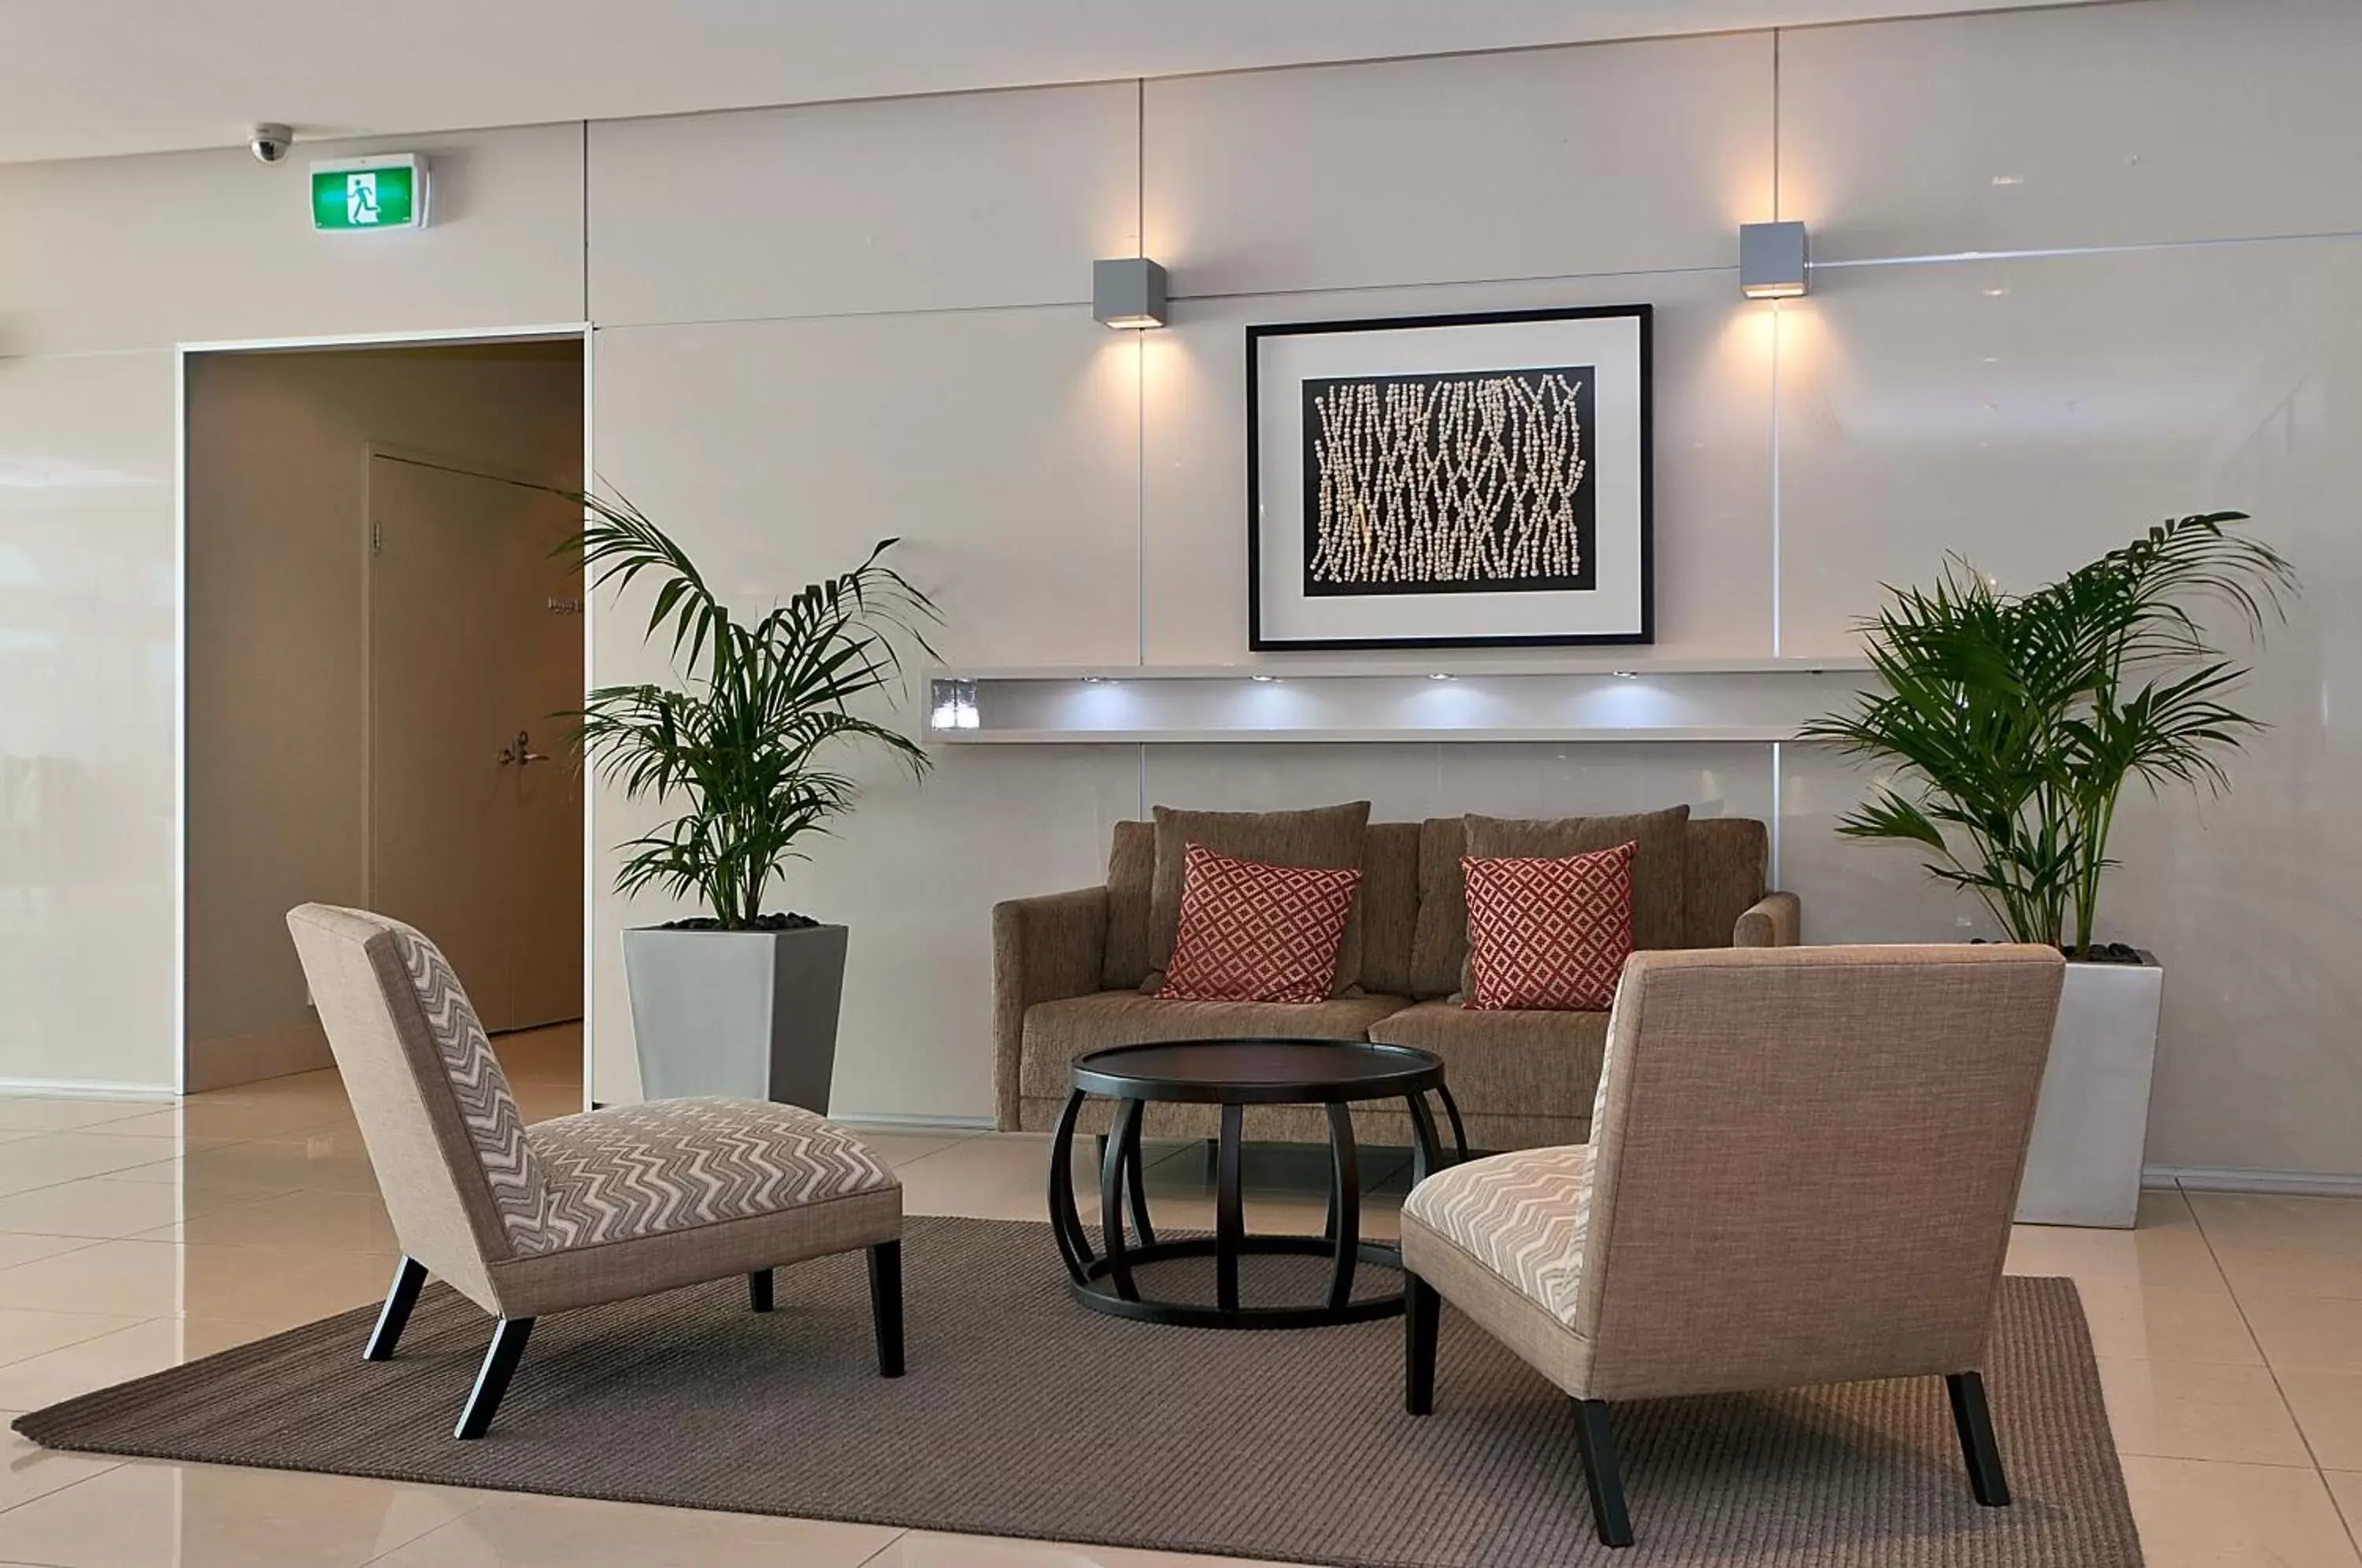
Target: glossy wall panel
88	653
2031	413
923	203
2034	414
1533	164
1413	782
1001	447
146	252
1713	472
2073	125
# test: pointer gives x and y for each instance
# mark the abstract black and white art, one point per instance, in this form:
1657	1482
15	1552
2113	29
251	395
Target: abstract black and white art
1447	481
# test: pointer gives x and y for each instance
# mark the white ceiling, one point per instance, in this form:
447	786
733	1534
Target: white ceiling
85	78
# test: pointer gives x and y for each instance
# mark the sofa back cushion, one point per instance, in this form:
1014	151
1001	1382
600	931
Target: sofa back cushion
1131	873
1327	835
1726	862
1389	906
1439	950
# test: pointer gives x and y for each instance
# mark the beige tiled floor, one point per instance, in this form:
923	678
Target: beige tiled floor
135	1236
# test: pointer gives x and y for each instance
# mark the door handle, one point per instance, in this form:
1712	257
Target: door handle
525	755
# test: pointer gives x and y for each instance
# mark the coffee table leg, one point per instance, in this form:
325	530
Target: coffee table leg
1111	1192
1065	1220
1230	1211
1344	1204
1458	1128
1426	1152
1136	1182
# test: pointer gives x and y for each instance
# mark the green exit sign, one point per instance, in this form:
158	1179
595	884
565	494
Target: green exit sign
358	195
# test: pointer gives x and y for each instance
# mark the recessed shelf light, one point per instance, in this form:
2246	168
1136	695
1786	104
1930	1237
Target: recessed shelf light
1440	675
1264	679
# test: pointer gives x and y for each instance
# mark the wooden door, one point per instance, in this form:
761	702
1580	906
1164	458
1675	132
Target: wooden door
476	811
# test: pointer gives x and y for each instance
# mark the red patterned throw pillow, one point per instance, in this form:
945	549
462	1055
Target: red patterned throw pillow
1255	932
1550	935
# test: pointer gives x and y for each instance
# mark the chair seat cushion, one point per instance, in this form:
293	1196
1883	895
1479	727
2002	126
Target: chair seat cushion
635	1171
1058	1032
1522	1215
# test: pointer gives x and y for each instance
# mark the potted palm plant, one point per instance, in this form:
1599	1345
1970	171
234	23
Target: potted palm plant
2010	726
740	1001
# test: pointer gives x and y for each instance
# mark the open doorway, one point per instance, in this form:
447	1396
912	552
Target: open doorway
380	637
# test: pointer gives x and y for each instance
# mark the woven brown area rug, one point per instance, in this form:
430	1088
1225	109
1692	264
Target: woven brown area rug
1025	1415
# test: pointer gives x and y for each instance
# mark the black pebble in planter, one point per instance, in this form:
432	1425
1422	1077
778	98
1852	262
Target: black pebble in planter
749	1013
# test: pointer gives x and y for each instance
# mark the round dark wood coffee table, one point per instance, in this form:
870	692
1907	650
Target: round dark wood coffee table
1233	1074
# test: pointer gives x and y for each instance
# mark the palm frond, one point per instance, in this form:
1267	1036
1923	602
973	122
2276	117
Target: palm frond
2015	722
743	746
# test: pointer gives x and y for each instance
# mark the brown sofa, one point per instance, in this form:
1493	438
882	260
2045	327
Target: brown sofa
1066	971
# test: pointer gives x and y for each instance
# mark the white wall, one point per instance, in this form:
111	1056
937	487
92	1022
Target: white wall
825	324
901	344
277	457
108	265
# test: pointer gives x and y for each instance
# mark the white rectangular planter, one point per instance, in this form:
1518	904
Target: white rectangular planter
2090	1126
749	1013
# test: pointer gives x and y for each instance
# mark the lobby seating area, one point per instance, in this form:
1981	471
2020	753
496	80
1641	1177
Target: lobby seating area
2224	1327
1004	784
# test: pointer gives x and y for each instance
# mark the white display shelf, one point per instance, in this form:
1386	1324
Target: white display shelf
1589	700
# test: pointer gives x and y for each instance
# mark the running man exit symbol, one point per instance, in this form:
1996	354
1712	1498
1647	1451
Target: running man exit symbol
373	195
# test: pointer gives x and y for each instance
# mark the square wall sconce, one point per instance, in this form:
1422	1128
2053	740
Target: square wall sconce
1771	260
1128	292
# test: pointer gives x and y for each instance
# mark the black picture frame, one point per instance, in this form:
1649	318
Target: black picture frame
1641	629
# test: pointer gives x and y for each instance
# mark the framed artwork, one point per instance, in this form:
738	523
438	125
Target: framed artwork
1449	481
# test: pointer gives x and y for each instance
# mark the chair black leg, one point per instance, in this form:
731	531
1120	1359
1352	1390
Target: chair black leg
1593	1435
492	1381
1421	1307
886	1305
1974	1421
409	1278
758	1290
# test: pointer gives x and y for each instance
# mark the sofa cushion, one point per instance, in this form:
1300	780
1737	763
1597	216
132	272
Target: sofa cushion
1329	835
1256	932
1388	906
1522	1215
1725	862
1521	1064
1058	1032
1439	950
1130	875
1549	933
1658	860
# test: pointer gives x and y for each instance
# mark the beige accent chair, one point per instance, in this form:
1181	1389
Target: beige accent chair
580	1210
1067	971
1802	1170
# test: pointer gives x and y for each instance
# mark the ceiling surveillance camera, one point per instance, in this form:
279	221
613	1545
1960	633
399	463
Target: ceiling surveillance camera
270	142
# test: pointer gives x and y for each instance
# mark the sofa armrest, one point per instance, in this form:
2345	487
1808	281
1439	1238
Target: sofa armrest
1776	919
1043	949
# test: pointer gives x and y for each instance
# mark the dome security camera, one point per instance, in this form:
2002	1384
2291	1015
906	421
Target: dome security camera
269	141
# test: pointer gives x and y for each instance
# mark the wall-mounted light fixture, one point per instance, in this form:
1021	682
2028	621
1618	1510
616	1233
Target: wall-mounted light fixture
1771	260
1128	292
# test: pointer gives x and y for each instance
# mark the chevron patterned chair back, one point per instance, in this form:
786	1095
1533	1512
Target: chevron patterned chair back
601	1207
1802	1169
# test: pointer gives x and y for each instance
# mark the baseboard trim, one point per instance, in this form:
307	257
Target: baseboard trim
230	1060
894	1121
87	1088
2210	1178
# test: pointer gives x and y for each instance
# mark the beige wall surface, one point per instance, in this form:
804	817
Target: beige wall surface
826	325
278	460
